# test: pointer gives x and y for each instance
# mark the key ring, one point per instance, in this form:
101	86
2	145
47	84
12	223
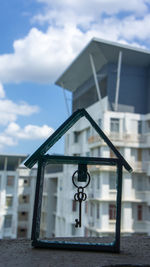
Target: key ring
73	177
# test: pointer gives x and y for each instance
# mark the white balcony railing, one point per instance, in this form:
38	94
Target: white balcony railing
122	137
141	226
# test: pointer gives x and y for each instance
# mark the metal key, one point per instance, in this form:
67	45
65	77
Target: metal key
80	196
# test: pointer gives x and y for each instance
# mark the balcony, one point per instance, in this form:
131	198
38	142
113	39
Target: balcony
24	207
94	139
146	167
23	224
93	168
143	196
121	137
112	225
94	194
136	165
141	226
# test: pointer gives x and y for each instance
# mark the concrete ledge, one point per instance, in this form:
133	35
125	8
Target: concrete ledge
135	251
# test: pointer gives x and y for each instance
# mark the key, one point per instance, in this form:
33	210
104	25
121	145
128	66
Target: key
80	196
78	221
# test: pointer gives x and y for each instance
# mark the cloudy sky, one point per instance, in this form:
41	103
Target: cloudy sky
38	39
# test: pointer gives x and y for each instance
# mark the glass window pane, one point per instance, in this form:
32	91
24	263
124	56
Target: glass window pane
139	127
114	125
9	201
10	180
112	212
112	180
8	221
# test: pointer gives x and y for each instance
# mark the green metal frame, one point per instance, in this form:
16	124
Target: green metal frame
38	156
48	159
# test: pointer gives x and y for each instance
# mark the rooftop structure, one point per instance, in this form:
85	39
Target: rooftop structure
102	59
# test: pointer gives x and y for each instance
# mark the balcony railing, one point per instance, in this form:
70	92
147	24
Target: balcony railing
121	137
141	226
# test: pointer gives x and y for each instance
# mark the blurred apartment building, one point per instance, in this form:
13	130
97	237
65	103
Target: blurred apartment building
112	82
9	194
17	191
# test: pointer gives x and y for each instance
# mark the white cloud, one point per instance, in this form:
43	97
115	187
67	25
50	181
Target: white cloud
42	56
93	8
9	110
31	132
2	92
6	141
13	133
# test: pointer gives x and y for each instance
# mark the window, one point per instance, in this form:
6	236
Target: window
73	229
74	205
99	151
23	199
22	232
92	183
10	180
76	137
97	211
88	154
114	125
85	232
140	184
9	201
112	212
98	182
23	216
139	213
139	127
87	134
112	155
26	182
91	209
112	180
44	202
139	154
8	221
43	217
86	207
147	126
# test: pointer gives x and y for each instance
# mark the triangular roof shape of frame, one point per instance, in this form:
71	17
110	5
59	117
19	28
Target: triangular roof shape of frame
32	160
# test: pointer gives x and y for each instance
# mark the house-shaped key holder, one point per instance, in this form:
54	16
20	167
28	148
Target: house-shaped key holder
82	175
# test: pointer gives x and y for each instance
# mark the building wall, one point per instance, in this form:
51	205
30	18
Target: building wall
133	90
25	195
132	141
133	87
9	195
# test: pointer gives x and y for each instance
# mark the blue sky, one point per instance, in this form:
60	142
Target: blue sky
39	39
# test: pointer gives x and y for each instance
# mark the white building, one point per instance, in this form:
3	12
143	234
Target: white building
17	192
51	201
8	194
25	193
112	82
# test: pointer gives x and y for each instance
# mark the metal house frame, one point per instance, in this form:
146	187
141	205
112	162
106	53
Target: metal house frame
42	159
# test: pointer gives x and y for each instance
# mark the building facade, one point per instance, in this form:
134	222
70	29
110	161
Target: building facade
25	195
112	82
9	194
